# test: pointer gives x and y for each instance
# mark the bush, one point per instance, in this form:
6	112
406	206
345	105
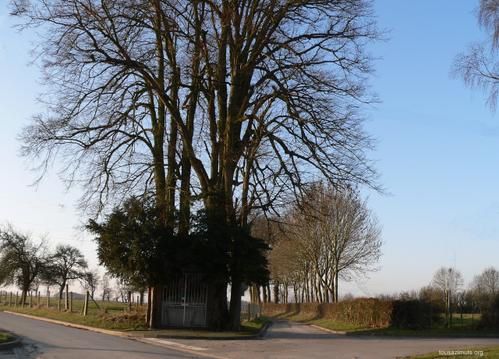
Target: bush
413	314
490	315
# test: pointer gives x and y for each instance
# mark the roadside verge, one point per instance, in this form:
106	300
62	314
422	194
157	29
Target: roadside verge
13	341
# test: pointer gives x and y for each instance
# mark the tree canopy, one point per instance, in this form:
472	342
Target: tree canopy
239	104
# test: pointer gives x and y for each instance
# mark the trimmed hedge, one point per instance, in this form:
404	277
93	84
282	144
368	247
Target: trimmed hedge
366	312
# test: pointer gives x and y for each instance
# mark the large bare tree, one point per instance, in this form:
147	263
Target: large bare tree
331	235
449	281
240	102
478	66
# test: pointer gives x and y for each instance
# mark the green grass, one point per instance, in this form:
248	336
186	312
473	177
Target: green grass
322	322
248	328
105	315
475	352
4	337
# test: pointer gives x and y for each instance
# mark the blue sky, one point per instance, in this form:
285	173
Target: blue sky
437	150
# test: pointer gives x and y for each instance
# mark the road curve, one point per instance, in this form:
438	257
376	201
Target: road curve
50	341
288	340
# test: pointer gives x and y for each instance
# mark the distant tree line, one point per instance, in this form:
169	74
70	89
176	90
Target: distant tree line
448	295
28	264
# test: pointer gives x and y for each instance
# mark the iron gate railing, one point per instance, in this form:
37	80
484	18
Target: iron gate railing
185	302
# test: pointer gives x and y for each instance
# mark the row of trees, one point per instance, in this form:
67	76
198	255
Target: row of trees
230	107
448	294
28	265
330	236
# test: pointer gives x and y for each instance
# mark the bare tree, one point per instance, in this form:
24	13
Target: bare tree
263	96
488	281
65	265
106	288
479	66
21	260
485	287
332	235
449	281
91	281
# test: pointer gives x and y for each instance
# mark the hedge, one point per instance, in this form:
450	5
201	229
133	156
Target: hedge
366	312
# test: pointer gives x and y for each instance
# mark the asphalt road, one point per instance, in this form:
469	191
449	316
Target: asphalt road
293	340
50	341
283	340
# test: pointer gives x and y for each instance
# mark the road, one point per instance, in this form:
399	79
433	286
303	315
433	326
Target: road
294	340
283	340
50	341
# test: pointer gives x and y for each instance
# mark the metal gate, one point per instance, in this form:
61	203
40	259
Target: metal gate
185	302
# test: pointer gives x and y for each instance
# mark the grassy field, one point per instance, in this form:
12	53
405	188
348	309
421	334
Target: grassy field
469	353
106	315
461	327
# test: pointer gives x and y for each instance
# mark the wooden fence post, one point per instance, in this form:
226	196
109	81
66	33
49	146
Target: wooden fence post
17	298
30	299
66	301
129	301
85	305
71	302
10	299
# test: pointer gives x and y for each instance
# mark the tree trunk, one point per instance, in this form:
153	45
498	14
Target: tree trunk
276	293
337	284
155	308
217	313
235	305
61	290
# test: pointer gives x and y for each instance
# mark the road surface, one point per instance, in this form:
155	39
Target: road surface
49	341
283	340
293	340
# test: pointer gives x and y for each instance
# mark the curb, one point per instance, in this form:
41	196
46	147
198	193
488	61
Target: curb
338	332
261	333
264	329
16	341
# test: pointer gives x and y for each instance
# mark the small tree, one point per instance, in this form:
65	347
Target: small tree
106	288
21	260
485	287
91	280
449	281
66	264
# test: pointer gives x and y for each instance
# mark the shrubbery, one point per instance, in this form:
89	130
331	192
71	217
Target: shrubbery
413	314
366	312
490	314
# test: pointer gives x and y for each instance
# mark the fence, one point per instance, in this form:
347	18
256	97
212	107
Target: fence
250	311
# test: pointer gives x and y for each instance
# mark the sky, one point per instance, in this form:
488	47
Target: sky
437	150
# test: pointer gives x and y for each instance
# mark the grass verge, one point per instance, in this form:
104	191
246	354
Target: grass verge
114	317
468	353
249	328
4	337
465	327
